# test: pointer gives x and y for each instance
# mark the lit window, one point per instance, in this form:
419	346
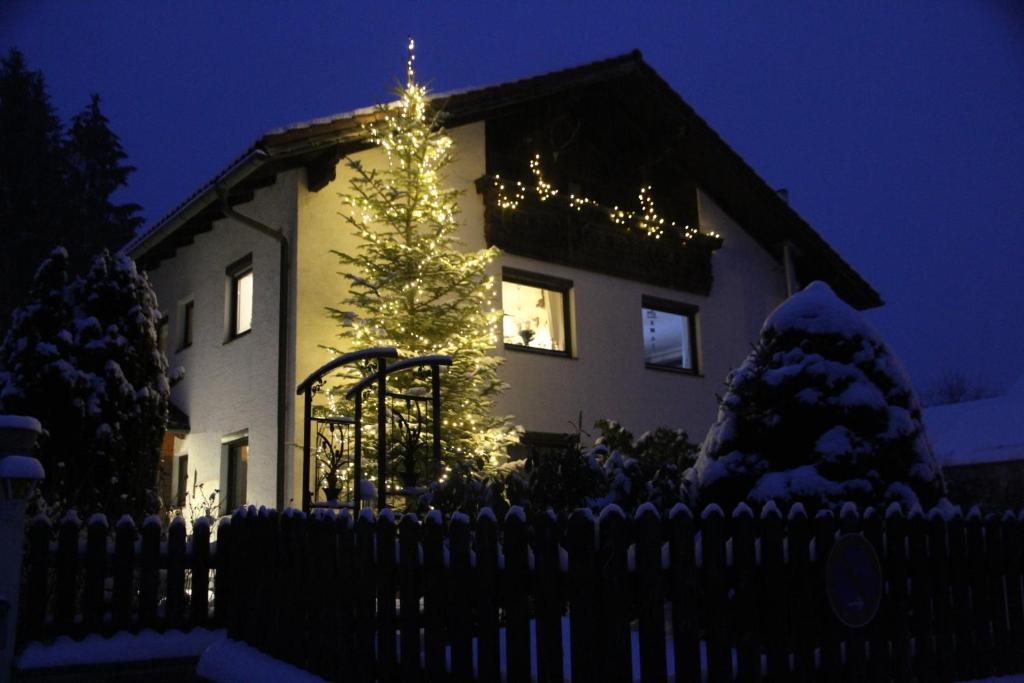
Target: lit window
240	293
669	330
243	303
238	470
536	312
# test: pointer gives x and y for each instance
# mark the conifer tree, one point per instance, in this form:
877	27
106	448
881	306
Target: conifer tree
82	357
96	170
412	285
820	412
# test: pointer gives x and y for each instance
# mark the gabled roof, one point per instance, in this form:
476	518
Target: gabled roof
319	144
976	432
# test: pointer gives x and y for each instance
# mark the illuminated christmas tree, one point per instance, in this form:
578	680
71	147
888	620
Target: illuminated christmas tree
412	285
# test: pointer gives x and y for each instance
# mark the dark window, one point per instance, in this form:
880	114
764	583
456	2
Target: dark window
187	324
182	483
238	469
535	312
162	328
241	293
670	335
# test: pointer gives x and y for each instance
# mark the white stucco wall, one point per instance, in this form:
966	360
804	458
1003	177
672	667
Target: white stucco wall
229	386
608	378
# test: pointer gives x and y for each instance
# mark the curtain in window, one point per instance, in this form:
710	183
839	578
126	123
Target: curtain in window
554	305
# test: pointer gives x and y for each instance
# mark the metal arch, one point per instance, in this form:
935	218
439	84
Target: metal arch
434	362
346	359
311	385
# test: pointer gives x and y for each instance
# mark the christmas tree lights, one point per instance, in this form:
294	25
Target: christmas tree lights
412	285
646	220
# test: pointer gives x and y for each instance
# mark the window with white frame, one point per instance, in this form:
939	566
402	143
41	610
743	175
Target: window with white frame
241	293
670	334
535	312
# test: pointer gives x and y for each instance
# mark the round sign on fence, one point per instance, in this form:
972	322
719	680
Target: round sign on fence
853	580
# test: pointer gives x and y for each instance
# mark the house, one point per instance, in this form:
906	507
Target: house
616	325
980	445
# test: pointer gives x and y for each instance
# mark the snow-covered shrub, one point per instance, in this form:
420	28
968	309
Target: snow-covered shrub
82	356
618	469
820	412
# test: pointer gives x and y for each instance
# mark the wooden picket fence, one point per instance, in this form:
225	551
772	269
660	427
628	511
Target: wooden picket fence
120	580
611	598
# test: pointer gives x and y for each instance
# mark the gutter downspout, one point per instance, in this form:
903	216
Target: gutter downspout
282	331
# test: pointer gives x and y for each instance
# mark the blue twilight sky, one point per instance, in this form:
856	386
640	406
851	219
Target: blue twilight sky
898	128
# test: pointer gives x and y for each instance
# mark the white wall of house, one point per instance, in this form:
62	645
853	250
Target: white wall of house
607	377
229	386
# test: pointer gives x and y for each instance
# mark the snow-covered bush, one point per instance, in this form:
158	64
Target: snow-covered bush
820	412
617	470
82	356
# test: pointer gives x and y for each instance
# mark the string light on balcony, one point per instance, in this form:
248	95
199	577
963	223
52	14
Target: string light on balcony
511	194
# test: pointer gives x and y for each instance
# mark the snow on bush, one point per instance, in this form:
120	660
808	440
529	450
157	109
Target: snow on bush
820	412
81	355
618	470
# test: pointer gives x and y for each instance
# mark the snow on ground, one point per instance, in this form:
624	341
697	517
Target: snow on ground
121	647
229	661
989	430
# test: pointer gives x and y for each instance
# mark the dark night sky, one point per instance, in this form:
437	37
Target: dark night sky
899	131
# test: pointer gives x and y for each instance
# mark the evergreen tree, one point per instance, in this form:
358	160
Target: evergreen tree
32	172
96	170
54	188
118	350
82	357
411	283
820	412
39	375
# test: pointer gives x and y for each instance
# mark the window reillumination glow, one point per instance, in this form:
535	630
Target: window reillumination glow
533	316
243	303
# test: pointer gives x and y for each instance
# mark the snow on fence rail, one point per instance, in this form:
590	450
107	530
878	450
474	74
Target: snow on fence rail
724	597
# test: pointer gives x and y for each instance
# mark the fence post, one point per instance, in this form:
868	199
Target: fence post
488	662
981	612
38	575
409	590
803	624
828	628
345	594
1015	606
200	563
938	567
849	523
997	569
95	573
747	631
516	597
460	588
776	591
960	580
614	589
683	592
221	555
899	604
149	579
651	595
124	556
584	645
880	662
715	593
175	572
386	655
549	601
67	572
921	590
